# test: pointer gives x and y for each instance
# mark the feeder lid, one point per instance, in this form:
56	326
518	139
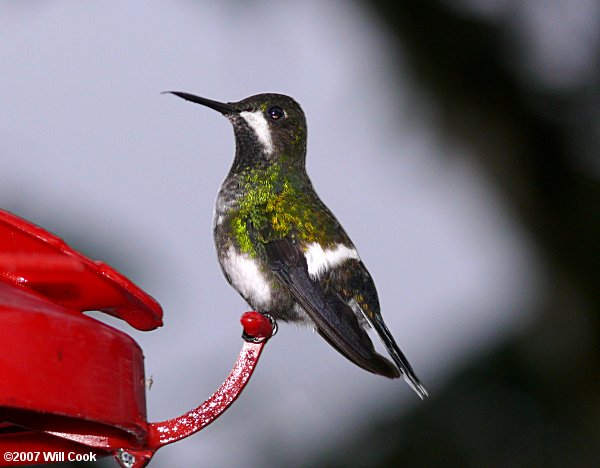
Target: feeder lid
35	259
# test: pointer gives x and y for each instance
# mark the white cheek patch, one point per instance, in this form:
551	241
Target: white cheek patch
247	278
257	122
320	260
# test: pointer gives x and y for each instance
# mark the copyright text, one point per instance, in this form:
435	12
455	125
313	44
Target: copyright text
48	457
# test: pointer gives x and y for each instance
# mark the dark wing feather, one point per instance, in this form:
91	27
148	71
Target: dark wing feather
334	319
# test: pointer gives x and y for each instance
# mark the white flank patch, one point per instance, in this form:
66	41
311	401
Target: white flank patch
247	278
259	124
320	260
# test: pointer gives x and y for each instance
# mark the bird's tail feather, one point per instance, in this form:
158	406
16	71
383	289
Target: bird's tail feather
398	356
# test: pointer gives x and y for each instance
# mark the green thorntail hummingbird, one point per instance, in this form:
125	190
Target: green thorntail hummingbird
282	249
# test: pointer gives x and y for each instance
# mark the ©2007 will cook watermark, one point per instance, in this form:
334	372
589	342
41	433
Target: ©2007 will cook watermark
48	457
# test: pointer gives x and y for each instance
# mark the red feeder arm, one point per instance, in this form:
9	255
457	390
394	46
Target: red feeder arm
70	384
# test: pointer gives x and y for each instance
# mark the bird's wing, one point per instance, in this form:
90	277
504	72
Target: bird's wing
334	319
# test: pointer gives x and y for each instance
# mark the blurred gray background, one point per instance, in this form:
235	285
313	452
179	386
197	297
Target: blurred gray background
457	143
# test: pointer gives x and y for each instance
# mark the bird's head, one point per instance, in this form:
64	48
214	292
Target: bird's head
268	127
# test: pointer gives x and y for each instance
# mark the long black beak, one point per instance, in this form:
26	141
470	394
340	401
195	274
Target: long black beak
221	107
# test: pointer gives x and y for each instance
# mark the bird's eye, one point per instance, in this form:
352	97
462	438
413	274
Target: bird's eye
275	113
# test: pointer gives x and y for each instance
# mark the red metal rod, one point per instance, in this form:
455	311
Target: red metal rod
257	330
178	428
172	430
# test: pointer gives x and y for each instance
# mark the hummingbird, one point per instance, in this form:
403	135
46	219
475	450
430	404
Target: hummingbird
282	249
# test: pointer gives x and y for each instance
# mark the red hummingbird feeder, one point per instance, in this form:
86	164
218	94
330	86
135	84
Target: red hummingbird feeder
72	385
